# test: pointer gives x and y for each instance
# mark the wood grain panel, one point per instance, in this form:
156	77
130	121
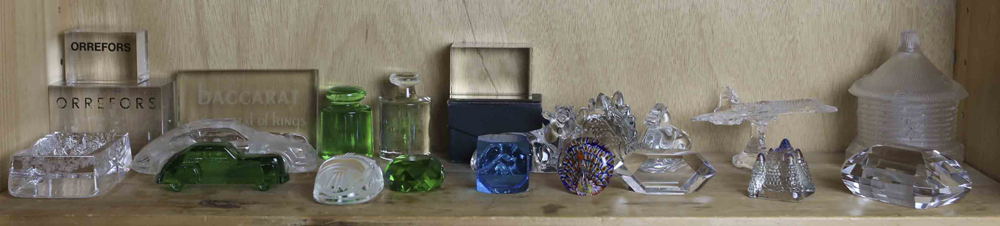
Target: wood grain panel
977	67
677	52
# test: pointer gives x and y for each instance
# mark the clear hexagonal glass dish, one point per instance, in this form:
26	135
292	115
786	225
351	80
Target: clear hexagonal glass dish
70	165
643	171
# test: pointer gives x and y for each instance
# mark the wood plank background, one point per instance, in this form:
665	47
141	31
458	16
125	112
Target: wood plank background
677	52
977	67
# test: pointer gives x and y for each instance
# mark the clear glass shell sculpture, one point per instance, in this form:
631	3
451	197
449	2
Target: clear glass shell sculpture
70	165
732	111
298	155
348	179
906	176
781	174
664	164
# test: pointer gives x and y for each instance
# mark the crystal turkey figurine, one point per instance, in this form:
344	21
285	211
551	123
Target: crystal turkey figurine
906	176
348	179
781	174
664	164
731	111
610	120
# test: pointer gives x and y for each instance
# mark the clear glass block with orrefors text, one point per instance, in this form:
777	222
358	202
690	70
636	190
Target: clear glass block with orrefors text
70	165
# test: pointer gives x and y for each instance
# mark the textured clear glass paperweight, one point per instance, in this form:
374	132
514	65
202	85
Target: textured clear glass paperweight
731	111
298	155
348	179
221	163
906	176
781	174
70	165
586	167
345	126
503	163
664	165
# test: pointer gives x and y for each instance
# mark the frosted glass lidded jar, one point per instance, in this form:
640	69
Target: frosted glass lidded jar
908	101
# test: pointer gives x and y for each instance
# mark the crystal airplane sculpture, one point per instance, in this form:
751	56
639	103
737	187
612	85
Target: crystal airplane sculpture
732	111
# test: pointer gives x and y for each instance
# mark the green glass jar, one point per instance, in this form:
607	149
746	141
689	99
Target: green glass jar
345	126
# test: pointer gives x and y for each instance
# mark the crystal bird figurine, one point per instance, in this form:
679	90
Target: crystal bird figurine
906	176
664	164
781	174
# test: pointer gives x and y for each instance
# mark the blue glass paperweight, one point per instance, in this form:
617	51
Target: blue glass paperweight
502	163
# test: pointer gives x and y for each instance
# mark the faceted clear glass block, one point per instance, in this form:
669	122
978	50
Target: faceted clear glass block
906	176
345	125
298	155
105	57
70	165
586	167
781	174
348	179
221	163
405	118
414	173
503	163
144	111
643	172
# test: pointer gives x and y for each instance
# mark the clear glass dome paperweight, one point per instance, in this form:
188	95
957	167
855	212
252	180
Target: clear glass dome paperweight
907	101
348	179
906	176
664	164
298	155
781	174
70	165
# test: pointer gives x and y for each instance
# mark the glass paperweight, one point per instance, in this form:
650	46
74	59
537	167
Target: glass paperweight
345	126
586	167
70	165
907	101
906	176
663	165
504	161
549	141
731	111
298	155
105	57
145	110
405	118
781	174
348	179
221	163
414	173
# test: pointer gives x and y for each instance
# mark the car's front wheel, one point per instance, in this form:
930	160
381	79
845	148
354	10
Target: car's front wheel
263	186
176	187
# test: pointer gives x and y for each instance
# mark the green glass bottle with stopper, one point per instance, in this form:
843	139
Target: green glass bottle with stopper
345	125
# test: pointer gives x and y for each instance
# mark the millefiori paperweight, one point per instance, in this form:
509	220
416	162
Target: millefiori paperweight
221	163
298	155
906	176
664	164
731	111
781	174
414	173
504	161
586	167
348	179
70	165
345	126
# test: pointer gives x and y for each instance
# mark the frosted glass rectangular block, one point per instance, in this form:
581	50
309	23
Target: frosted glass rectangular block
105	57
70	165
144	110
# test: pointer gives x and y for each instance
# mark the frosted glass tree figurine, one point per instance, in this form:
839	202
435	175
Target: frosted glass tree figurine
731	111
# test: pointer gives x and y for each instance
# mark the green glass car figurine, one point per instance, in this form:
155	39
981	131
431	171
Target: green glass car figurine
221	163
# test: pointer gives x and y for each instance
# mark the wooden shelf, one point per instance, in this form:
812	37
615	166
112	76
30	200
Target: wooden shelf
722	201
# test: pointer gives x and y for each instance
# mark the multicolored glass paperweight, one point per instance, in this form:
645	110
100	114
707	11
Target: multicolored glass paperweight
664	164
781	174
502	163
414	173
731	111
405	119
70	165
586	167
907	176
348	179
221	163
345	126
298	155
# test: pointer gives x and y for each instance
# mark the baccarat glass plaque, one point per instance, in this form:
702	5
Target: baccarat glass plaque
345	126
732	111
586	167
907	101
405	138
297	154
781	174
906	176
664	164
348	179
105	57
502	163
70	165
221	163
144	111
